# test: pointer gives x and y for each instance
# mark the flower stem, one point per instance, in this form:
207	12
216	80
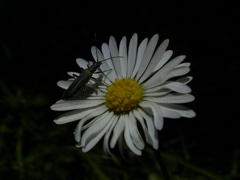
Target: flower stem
19	154
162	164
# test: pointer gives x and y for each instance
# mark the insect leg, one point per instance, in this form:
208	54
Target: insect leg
105	74
75	76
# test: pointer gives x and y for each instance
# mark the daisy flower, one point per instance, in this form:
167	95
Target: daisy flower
128	99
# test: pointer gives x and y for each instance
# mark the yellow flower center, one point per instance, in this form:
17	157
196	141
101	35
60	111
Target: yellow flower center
123	95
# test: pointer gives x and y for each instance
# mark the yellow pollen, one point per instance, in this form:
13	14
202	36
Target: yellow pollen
123	95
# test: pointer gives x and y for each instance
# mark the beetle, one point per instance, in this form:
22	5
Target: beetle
82	79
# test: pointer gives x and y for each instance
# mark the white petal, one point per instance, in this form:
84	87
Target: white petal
96	131
139	117
102	89
123	56
158	94
185	79
107	136
178	87
154	61
156	111
98	95
182	110
128	138
82	63
64	83
73	74
147	56
97	55
117	131
186	64
75	104
168	87
78	130
71	116
166	56
141	50
172	98
155	89
151	129
115	54
106	52
82	125
132	53
160	76
95	119
96	113
136	137
78	114
170	114
177	72
104	67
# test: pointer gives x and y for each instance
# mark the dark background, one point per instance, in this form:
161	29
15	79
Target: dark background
39	44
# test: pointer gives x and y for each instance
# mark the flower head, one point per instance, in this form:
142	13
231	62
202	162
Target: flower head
135	88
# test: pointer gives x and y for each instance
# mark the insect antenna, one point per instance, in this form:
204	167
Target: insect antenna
95	35
95	38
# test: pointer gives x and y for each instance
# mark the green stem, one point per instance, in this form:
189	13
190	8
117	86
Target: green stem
96	168
235	163
5	90
162	164
192	167
19	153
